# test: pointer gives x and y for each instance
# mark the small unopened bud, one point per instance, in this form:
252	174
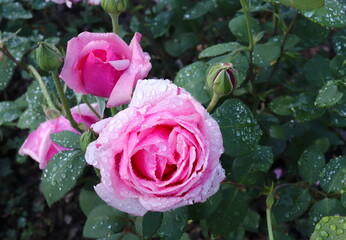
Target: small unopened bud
114	6
48	57
222	79
86	138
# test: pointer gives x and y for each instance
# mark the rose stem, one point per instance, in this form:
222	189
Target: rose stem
115	22
30	69
64	102
213	103
91	108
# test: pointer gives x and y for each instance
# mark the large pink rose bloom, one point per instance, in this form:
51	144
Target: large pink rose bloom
160	153
39	145
102	64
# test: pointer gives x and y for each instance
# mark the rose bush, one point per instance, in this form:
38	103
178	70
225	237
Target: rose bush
39	146
160	153
102	64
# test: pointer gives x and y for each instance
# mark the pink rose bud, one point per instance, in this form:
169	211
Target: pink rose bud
160	153
222	79
39	145
102	64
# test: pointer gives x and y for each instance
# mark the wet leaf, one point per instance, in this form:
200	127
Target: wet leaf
61	175
333	175
151	223
104	221
173	224
311	158
240	130
292	202
219	49
66	139
332	227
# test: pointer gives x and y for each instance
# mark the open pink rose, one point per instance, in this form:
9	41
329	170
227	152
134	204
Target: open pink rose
102	64
160	153
39	145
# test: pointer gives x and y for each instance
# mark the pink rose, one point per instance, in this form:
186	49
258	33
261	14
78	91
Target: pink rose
160	153
39	145
102	64
69	2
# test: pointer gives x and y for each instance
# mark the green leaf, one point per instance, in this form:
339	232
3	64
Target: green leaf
280	105
265	54
200	9
61	174
305	28
15	11
121	236
311	158
329	95
173	224
151	223
159	25
199	211
251	221
333	175
6	71
103	221
332	227
9	111
219	49
317	71
325	207
249	168
277	132
181	43
192	78
31	118
88	199
238	27
292	203
332	14
303	5
339	42
304	109
240	130
338	67
230	213
66	139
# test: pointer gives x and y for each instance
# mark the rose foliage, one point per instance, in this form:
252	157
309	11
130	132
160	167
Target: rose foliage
246	141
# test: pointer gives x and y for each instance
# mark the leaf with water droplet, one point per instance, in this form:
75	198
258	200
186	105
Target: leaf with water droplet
329	95
231	211
88	199
173	224
303	5
292	202
240	130
151	223
323	208
9	111
220	49
200	9
250	168
333	175
332	14
238	27
265	54
103	221
192	78
331	227
311	158
61	174
280	105
66	139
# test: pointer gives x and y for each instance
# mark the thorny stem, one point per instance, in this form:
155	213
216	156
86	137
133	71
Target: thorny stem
64	101
91	108
31	70
213	103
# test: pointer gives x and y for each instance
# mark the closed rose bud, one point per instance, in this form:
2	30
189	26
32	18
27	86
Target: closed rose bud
114	6
221	79
48	57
